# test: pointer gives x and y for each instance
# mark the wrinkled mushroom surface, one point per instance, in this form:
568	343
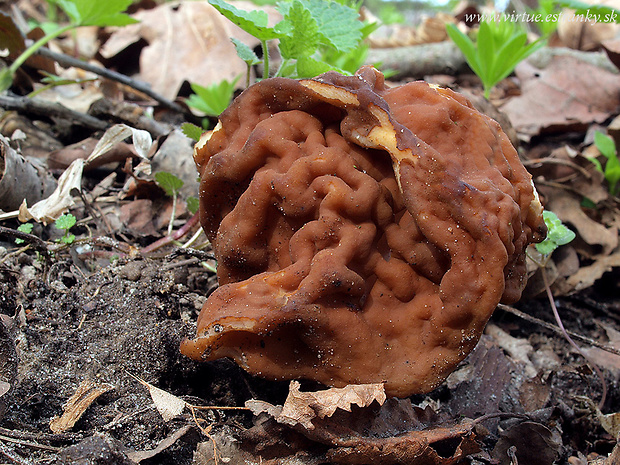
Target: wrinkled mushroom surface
363	233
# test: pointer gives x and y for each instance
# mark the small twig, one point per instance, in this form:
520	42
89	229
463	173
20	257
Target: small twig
34	445
48	109
36	242
5	451
558	161
199	254
557	330
66	60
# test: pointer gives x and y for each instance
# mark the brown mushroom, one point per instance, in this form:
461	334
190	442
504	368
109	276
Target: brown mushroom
363	233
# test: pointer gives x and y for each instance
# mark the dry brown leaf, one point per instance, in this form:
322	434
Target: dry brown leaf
605	358
86	393
568	209
168	405
584	35
533	443
587	275
187	41
46	211
302	407
562	96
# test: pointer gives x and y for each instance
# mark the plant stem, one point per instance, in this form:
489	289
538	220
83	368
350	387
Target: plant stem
265	48
174	212
37	45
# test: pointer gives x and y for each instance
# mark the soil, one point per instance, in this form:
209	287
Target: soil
123	322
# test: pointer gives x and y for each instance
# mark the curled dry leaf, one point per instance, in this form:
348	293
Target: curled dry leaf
303	407
48	210
86	393
391	433
300	408
21	178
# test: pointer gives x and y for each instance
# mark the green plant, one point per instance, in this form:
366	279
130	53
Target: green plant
25	228
308	32
171	185
557	234
192	131
500	46
80	13
213	99
65	223
549	12
611	170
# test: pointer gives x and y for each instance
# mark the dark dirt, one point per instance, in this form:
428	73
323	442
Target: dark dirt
126	320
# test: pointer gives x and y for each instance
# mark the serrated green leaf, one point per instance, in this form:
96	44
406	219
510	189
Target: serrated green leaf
97	13
245	52
253	22
192	131
193	204
339	25
25	228
557	234
299	32
65	222
168	182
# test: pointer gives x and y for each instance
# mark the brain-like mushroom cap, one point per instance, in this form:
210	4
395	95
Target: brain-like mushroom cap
363	234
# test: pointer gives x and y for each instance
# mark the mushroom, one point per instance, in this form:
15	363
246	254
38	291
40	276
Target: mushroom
363	233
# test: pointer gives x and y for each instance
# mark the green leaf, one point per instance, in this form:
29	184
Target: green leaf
299	32
192	131
557	234
68	238
253	22
168	182
97	12
193	204
467	47
309	67
605	145
339	24
213	99
245	52
25	228
65	222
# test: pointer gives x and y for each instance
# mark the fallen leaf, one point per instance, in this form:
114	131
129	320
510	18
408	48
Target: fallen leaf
568	209
187	41
588	275
168	405
86	393
392	431
561	96
534	443
142	143
46	211
302	407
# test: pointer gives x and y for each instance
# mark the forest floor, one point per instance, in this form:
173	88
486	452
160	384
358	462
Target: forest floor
90	368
